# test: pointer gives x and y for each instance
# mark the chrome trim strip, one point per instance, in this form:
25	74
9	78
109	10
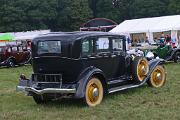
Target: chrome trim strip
124	88
46	90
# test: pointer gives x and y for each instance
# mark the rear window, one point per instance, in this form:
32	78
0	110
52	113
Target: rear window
49	47
1	49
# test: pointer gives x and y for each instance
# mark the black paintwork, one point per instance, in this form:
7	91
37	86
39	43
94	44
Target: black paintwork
71	63
173	53
112	67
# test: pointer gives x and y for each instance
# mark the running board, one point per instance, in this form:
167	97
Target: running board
124	87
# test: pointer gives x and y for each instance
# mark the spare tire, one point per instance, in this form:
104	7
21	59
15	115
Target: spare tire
140	69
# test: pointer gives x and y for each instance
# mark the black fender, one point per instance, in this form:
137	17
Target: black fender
175	50
173	54
10	58
152	65
83	79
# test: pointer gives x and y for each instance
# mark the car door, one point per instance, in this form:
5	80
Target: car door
15	53
21	54
96	52
118	57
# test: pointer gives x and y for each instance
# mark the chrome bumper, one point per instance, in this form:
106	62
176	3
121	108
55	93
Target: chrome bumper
26	89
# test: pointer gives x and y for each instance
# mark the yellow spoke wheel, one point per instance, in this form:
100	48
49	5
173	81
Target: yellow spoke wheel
94	92
140	69
158	77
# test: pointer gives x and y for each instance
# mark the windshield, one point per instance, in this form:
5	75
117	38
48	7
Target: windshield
49	47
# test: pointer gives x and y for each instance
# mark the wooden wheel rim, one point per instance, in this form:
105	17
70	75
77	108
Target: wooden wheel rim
94	92
142	69
158	77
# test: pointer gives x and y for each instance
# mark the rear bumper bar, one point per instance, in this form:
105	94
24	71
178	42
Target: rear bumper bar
46	90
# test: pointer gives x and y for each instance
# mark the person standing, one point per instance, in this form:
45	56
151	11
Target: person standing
168	39
147	40
173	41
179	42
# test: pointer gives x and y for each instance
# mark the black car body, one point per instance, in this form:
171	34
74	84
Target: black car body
84	65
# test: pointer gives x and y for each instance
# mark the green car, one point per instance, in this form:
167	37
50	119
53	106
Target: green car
167	52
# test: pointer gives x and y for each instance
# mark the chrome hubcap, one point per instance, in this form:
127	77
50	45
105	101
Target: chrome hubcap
95	92
143	69
159	76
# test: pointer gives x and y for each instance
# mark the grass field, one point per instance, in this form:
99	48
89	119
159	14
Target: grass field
142	103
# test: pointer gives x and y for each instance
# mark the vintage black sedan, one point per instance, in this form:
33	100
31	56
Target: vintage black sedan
86	65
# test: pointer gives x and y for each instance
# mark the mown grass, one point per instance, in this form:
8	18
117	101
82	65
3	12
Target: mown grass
142	103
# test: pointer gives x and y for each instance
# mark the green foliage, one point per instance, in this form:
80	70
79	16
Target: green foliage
105	9
174	7
148	8
69	15
23	15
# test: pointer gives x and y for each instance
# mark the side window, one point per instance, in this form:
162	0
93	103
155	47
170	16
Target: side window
102	45
20	49
14	49
117	44
87	47
9	49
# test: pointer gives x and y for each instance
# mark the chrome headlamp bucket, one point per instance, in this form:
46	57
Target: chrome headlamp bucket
150	55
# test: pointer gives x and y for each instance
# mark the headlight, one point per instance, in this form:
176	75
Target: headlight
150	55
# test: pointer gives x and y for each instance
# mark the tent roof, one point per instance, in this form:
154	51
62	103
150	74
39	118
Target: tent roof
155	24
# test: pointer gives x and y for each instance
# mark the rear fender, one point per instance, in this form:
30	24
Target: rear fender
172	54
84	78
5	62
11	58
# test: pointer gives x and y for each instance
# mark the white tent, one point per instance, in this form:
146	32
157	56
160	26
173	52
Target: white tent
156	24
149	25
29	34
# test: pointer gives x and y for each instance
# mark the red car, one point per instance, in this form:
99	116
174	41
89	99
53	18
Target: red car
12	55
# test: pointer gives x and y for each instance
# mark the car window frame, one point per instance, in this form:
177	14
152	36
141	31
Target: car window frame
122	44
103	52
92	52
48	53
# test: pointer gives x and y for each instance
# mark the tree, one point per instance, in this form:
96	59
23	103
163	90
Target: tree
23	15
71	14
174	7
148	8
68	15
105	9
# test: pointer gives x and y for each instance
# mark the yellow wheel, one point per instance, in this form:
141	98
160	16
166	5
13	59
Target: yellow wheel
94	92
158	77
140	69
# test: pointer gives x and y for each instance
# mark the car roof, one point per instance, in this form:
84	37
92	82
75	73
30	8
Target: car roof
72	36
